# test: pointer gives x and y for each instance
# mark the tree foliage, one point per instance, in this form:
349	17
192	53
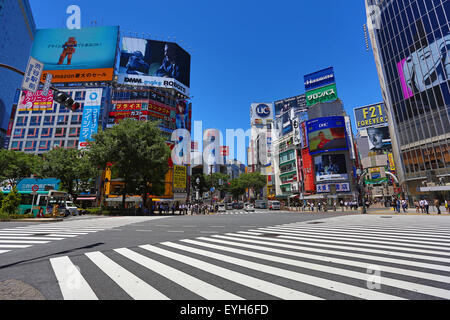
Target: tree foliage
11	202
139	155
16	165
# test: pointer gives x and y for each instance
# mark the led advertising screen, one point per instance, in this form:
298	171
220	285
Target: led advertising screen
319	79
77	55
379	138
330	167
298	103
370	116
326	134
153	58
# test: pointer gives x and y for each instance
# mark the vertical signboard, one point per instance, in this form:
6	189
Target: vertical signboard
91	110
33	74
179	177
308	171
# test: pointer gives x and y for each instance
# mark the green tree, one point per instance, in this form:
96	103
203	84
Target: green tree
139	154
16	165
11	202
215	179
254	181
236	188
70	166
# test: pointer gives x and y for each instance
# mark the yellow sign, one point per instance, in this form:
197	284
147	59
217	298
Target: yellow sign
179	177
391	161
370	116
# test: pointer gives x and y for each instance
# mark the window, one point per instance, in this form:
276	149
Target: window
72	144
58	143
33	133
63	109
80	95
46	132
49	120
76	119
19	133
16	145
60	132
74	132
35	120
44	145
21	121
30	146
62	120
53	110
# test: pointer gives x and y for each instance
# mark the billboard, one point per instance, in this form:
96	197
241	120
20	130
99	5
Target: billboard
308	171
370	116
142	80
319	79
326	134
323	94
261	113
340	187
155	59
77	55
330	167
424	68
379	138
89	122
183	115
296	103
179	177
36	101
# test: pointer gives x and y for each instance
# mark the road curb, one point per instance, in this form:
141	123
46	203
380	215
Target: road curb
36	220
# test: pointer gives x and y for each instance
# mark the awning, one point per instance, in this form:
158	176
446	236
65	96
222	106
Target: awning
127	199
435	188
314	196
86	198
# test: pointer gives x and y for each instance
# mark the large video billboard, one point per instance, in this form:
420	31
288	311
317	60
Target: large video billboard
326	134
155	59
77	55
298	103
330	167
319	79
370	116
379	138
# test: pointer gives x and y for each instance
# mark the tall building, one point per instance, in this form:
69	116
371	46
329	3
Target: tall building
410	41
17	33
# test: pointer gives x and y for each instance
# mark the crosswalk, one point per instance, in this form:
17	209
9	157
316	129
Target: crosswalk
349	257
239	212
27	236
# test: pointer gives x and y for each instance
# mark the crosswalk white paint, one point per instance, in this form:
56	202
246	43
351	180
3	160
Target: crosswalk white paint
26	236
318	262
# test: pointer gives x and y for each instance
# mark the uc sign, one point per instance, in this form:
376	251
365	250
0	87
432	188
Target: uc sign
263	110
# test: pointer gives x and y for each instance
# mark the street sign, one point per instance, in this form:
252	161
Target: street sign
32	76
34	193
35	188
48	80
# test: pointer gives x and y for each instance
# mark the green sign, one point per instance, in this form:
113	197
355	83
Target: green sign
323	94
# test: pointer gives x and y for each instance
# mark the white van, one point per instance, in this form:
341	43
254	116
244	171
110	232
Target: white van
274	205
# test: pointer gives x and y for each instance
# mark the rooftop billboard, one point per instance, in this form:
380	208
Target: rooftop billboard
370	116
77	55
319	79
326	134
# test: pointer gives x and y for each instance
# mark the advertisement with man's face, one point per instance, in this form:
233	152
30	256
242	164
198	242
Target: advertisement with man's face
77	55
155	59
330	167
326	134
379	138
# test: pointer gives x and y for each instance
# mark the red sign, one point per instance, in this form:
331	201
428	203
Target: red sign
35	101
35	188
128	106
308	171
159	108
194	145
224	151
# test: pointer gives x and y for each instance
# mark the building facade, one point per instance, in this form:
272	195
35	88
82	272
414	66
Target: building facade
411	41
16	36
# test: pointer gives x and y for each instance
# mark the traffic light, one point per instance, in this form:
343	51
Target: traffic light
66	100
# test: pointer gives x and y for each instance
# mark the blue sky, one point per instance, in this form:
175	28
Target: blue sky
245	51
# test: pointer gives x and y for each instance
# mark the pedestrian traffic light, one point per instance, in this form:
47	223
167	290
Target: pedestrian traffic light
66	100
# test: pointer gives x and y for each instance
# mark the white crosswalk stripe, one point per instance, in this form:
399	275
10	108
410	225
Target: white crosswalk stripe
300	261
239	212
26	236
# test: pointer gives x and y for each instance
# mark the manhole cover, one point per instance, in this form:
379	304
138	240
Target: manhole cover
41	234
314	222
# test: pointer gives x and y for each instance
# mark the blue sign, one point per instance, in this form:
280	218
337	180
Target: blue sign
326	134
319	79
263	110
27	184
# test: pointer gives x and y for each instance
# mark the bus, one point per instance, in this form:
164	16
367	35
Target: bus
32	203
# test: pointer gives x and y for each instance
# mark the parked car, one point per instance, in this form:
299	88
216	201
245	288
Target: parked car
221	207
249	207
238	205
229	206
274	205
261	204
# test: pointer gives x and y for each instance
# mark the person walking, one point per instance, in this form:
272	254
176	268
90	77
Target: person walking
427	206
398	203
446	206
404	205
422	205
416	204
437	204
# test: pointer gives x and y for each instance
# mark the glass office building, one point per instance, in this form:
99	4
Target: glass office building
411	44
17	32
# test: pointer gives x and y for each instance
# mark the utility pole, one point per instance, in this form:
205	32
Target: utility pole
212	184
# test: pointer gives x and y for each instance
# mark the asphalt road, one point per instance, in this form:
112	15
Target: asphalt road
262	255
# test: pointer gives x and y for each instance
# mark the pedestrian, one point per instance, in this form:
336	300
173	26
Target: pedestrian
404	205
334	205
427	206
437	204
41	212
398	203
446	206
416	204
